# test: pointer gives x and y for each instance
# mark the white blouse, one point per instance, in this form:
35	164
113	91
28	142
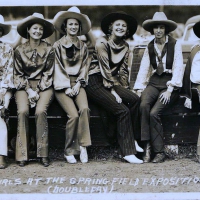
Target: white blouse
146	70
195	69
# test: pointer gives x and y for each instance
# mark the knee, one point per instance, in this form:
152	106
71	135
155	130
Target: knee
40	112
84	110
153	114
74	117
124	111
23	112
143	105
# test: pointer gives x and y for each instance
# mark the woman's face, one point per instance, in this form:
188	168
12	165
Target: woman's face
119	28
72	27
159	31
36	31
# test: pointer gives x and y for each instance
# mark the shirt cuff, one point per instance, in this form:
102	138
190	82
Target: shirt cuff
3	91
170	88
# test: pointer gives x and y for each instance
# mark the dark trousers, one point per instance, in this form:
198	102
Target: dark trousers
126	113
151	108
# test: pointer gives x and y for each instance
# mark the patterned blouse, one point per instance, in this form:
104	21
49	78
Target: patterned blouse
71	60
146	70
6	67
34	64
112	61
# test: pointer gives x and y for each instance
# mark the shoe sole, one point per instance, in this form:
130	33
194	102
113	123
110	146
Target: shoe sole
133	162
163	160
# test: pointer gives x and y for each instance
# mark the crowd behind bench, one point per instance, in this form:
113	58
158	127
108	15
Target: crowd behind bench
38	72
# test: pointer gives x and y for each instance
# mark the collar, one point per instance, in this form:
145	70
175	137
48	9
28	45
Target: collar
41	49
68	43
116	47
166	41
156	47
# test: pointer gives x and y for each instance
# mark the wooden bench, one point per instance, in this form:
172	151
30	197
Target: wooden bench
181	125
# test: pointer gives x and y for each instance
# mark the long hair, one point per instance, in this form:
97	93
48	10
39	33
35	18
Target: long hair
166	30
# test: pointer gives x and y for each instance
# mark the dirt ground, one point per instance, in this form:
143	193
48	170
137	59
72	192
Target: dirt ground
104	174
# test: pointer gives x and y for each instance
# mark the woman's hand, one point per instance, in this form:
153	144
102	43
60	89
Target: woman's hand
139	93
188	103
165	97
69	92
32	95
118	98
76	88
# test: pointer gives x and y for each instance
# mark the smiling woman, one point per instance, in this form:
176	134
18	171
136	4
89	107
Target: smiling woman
33	69
108	83
70	78
35	31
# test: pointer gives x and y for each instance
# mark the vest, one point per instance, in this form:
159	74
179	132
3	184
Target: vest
186	88
170	53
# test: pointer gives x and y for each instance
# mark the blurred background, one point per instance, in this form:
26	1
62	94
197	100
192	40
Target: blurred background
179	14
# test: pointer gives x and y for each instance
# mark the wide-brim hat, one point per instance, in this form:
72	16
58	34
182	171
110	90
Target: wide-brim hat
72	13
196	29
38	18
159	18
6	27
110	18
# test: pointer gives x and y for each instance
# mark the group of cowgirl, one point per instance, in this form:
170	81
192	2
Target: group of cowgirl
38	71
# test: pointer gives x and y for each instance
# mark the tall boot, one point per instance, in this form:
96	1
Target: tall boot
147	152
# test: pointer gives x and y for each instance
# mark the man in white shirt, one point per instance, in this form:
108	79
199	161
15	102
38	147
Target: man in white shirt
191	77
159	79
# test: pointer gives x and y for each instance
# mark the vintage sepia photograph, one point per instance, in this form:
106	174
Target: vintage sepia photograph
100	100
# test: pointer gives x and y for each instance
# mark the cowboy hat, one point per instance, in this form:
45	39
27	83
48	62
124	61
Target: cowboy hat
6	27
72	13
159	18
48	27
110	18
196	29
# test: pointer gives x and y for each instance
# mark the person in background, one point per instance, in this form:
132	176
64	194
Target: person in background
108	81
191	79
6	85
70	78
33	70
159	79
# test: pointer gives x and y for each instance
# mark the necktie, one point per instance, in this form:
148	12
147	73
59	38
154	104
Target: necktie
160	67
34	56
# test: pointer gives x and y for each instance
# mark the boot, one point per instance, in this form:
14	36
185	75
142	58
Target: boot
44	161
2	162
160	157
147	152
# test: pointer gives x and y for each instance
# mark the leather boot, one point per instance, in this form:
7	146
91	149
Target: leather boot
147	152
45	161
160	157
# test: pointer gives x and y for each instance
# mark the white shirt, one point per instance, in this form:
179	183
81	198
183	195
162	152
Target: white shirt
146	70
195	69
